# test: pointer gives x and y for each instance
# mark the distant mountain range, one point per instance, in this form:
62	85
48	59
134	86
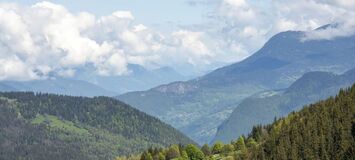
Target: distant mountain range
263	107
46	126
137	79
58	86
88	83
197	107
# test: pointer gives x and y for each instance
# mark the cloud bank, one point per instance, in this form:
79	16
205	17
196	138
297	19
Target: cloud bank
246	24
47	39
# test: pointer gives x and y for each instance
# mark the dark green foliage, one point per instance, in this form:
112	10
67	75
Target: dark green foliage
206	150
240	144
194	153
324	130
184	155
217	148
146	156
227	148
189	152
46	126
173	152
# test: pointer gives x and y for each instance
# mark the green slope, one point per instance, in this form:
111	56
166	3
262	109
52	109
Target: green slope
324	130
46	126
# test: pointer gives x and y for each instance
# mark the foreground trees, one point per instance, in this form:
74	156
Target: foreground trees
324	130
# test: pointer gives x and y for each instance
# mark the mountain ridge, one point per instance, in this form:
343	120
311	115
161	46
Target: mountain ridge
138	78
57	86
280	62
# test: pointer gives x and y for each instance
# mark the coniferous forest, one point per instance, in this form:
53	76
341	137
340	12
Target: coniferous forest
47	126
323	130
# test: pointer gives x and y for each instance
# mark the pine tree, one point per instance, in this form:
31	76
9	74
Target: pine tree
206	149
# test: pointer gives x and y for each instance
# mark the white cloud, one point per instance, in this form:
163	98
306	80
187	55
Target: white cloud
66	72
123	15
239	10
349	4
139	28
243	26
48	39
14	69
14	32
115	65
331	32
191	42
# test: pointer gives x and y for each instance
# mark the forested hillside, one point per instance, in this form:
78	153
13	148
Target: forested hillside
263	107
324	130
46	126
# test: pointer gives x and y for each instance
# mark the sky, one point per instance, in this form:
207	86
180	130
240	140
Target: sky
59	37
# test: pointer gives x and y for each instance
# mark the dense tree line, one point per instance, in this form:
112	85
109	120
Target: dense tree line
324	130
84	128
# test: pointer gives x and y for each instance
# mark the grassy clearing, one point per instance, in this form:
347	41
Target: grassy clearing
55	122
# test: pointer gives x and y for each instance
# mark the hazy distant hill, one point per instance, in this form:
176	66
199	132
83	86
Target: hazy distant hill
197	107
57	86
88	83
263	107
46	126
137	79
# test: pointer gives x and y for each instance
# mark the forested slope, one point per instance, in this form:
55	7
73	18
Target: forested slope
46	126
324	130
263	107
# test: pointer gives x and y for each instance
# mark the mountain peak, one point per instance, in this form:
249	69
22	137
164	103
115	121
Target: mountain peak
328	26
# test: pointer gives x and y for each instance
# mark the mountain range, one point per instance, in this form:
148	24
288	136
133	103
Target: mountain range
57	85
197	107
88	83
138	78
263	107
